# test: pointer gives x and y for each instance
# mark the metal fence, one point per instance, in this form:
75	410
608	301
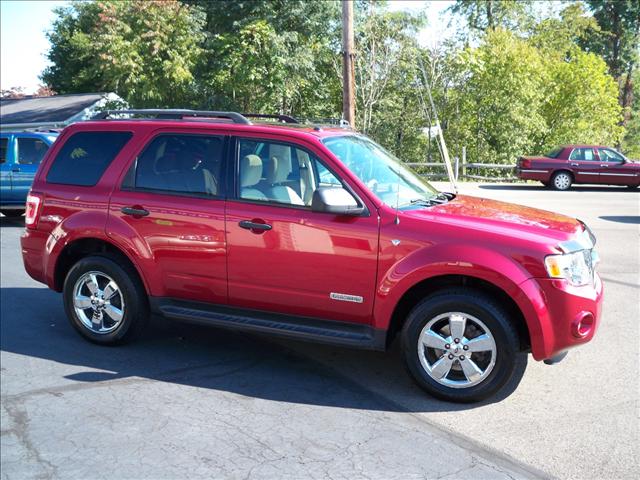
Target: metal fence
467	170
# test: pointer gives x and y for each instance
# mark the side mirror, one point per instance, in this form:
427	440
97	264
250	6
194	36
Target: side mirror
335	200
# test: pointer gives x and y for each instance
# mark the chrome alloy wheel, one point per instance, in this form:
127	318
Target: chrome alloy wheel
98	302
562	181
457	350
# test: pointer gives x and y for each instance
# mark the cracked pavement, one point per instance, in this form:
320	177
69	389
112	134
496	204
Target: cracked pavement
191	402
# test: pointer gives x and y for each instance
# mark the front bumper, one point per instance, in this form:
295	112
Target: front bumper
564	316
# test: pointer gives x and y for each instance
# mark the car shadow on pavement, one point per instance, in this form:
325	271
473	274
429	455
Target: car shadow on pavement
577	188
11	221
632	219
33	323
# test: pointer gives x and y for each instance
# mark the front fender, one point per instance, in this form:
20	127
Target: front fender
453	259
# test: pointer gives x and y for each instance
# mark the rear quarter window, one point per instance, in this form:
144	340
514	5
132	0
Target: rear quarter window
85	156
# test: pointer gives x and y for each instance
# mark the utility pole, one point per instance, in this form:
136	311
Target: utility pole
348	68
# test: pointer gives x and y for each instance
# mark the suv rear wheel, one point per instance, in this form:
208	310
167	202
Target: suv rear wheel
460	346
105	301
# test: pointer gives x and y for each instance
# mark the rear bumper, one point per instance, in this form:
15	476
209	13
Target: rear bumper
33	244
539	174
564	316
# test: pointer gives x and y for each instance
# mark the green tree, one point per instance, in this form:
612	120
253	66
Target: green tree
484	15
387	106
513	98
144	51
275	56
618	42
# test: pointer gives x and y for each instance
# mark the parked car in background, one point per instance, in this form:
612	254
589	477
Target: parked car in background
564	166
308	233
20	155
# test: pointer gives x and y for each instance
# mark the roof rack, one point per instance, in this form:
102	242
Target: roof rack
280	118
178	114
174	114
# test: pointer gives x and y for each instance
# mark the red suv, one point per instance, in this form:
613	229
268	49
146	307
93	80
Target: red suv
307	233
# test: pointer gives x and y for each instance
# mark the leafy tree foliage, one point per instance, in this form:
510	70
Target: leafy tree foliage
522	82
144	51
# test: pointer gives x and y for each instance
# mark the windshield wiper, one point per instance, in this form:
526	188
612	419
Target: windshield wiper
429	202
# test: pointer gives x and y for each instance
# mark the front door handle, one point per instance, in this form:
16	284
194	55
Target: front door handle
249	225
135	211
15	169
604	165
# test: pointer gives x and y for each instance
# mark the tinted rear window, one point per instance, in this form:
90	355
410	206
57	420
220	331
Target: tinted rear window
85	156
555	152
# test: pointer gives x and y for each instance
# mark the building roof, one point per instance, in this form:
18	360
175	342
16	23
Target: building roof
46	110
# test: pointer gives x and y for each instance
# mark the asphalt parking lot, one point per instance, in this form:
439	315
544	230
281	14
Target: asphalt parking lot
188	402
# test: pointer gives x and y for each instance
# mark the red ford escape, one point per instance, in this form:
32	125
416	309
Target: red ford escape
307	233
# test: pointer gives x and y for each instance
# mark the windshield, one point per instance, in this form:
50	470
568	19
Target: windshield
385	175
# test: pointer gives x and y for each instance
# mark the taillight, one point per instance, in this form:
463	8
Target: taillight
524	163
34	202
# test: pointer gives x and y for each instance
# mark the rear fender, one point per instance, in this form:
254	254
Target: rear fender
89	224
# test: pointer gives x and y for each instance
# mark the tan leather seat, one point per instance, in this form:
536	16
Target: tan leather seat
278	173
250	175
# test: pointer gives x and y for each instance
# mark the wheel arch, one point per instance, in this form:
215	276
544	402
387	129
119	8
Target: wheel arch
439	283
83	247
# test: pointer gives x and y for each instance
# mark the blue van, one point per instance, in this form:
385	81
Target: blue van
20	155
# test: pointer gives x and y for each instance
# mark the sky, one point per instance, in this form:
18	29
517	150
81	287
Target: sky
23	43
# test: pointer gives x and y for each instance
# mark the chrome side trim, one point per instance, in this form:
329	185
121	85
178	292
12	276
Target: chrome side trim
587	173
622	174
343	297
530	170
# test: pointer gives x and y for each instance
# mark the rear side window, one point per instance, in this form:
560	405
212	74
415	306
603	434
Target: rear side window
3	149
85	156
582	154
181	164
31	151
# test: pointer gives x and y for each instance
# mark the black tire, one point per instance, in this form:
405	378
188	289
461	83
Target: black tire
562	180
510	362
12	213
136	307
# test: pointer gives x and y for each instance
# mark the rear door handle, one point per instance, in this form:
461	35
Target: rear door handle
249	225
604	165
15	169
135	211
575	164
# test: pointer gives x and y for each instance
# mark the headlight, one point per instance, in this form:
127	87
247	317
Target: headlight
576	267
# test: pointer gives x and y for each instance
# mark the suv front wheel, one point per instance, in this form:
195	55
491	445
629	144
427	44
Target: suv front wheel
460	346
104	300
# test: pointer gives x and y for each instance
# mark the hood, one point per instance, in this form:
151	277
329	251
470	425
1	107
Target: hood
503	217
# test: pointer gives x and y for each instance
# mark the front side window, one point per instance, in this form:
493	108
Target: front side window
85	156
280	173
585	154
31	151
4	144
386	176
179	163
608	155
